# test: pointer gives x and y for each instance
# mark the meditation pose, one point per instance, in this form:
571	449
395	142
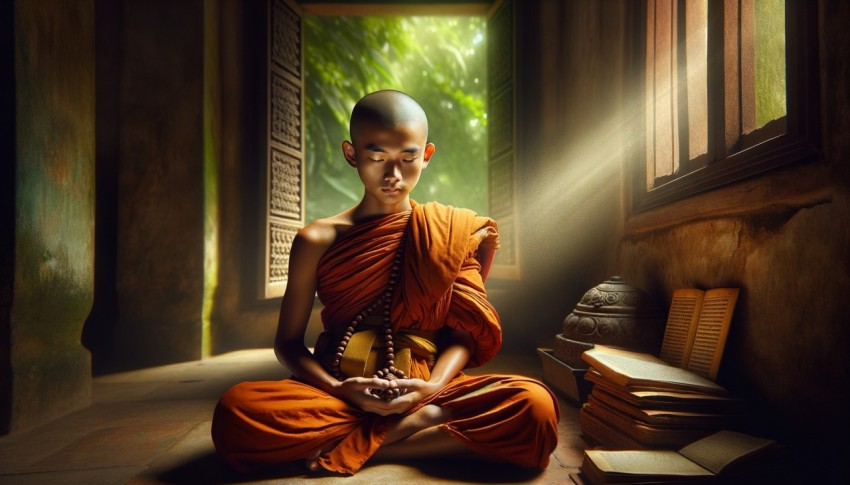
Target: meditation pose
405	311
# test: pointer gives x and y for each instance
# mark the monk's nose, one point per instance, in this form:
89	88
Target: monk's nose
393	172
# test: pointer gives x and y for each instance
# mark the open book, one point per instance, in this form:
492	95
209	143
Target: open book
725	453
638	371
697	326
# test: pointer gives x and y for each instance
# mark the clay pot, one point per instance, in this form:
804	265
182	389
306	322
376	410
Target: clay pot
611	313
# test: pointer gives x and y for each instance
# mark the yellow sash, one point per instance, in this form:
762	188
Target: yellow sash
362	355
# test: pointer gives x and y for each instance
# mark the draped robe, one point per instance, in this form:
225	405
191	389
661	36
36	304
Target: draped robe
260	425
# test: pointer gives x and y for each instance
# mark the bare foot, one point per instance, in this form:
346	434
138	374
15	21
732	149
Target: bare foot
312	461
426	417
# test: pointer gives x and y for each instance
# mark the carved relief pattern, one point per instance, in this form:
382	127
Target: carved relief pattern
507	253
285	197
280	242
596	298
285	112
628	332
500	186
500	40
500	66
500	118
286	38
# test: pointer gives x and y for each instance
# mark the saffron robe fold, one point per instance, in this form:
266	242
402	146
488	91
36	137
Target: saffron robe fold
260	425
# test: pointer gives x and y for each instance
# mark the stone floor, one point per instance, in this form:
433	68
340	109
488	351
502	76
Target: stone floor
151	426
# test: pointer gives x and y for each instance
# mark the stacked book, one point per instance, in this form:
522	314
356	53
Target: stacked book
640	401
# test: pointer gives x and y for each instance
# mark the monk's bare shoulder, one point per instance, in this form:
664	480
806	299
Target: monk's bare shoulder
316	237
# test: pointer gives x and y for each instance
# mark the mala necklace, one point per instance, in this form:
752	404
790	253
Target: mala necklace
383	302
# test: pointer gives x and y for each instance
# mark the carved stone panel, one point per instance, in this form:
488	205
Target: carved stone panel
286	38
285	107
280	243
286	199
501	122
283	179
501	148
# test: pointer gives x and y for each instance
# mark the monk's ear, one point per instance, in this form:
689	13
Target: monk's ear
348	153
429	151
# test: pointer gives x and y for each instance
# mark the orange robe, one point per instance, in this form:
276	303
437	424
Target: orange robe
259	425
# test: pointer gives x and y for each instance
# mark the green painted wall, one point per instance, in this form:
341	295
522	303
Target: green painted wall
54	210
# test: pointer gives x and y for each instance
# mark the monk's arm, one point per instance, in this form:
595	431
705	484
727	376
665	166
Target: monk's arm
295	309
452	359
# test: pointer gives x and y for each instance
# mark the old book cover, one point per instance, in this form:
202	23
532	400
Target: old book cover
597	431
697	326
641	371
725	453
709	339
669	400
665	417
650	435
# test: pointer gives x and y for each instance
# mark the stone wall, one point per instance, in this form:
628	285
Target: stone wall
786	248
49	276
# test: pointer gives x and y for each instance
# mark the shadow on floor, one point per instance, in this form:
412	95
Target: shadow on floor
208	468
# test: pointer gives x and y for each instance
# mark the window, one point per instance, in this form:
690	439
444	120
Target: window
730	93
282	181
445	70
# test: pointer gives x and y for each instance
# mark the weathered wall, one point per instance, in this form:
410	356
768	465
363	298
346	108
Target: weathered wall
240	319
47	371
160	216
783	239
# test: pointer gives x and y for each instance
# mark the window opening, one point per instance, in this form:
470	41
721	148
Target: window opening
439	60
729	92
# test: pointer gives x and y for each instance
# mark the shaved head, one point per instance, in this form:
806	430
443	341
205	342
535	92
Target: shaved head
387	108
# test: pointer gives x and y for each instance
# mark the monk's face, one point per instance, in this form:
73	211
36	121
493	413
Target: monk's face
389	160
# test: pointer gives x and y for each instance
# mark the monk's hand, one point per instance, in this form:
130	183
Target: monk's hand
412	392
357	391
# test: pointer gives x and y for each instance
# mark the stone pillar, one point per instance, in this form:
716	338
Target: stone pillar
47	209
160	227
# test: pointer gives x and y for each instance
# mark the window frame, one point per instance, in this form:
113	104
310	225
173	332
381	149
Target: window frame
799	143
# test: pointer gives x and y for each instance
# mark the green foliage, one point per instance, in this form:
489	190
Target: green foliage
770	61
440	61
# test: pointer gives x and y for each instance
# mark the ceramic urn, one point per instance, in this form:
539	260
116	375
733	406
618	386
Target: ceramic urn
611	313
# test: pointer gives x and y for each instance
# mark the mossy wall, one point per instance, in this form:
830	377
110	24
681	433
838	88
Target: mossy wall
53	278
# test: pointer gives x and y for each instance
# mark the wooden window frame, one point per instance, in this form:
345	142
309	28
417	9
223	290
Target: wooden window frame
725	164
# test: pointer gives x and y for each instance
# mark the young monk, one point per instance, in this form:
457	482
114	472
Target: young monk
405	311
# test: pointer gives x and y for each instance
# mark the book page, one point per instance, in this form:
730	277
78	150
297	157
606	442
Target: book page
645	462
717	451
712	328
635	369
681	326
